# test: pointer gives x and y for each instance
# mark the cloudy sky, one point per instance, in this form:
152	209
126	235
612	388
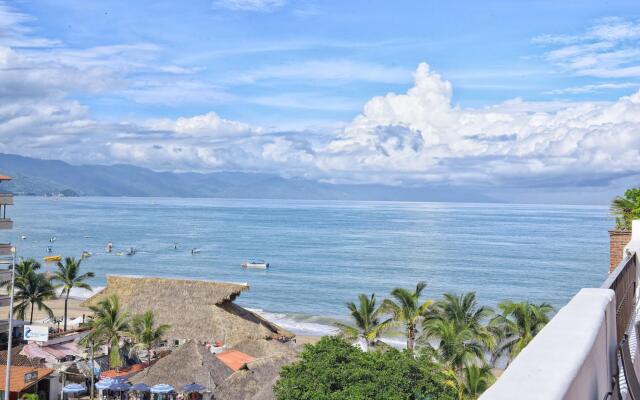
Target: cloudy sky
519	97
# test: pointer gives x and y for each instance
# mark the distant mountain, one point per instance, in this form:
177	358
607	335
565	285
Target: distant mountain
39	177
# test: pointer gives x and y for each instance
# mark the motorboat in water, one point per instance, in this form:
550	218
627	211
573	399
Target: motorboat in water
86	254
258	264
52	258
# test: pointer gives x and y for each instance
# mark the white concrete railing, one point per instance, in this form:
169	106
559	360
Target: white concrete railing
572	358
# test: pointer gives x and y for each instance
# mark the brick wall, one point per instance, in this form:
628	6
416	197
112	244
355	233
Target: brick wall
617	241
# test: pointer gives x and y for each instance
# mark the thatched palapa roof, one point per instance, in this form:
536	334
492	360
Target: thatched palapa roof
195	309
191	362
255	381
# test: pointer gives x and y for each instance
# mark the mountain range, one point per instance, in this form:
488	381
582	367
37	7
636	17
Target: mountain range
33	176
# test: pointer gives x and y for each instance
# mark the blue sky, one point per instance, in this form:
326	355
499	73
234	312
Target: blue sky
306	88
287	63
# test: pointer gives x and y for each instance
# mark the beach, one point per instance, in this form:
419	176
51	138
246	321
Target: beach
75	310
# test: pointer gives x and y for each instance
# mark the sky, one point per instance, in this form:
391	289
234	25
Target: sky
522	98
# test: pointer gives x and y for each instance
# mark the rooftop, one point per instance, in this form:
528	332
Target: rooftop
194	309
17	383
234	359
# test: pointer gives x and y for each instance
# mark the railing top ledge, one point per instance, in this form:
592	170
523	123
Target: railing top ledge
613	276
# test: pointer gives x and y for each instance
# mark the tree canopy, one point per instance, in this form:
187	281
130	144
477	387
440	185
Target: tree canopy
334	369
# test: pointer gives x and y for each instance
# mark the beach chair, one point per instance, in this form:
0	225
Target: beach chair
633	385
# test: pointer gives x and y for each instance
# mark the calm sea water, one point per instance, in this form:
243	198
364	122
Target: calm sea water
323	253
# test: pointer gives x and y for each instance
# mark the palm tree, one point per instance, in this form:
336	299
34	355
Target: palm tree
145	333
471	382
457	323
22	269
109	325
475	380
407	310
457	345
69	277
517	325
626	208
367	321
32	289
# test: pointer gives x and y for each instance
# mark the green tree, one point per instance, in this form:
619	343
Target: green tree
517	324
368	324
334	369
22	269
109	324
471	382
407	310
476	379
459	326
68	277
626	208
145	333
31	289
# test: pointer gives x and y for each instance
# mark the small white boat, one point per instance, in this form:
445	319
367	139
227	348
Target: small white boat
23	237
259	264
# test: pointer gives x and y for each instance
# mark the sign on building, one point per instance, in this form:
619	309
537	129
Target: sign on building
36	333
30	376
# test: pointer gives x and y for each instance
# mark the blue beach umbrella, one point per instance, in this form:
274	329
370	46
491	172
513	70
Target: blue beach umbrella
162	388
103	384
193	388
140	387
74	388
119	387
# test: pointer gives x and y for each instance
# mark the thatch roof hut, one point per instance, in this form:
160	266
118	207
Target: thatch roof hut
266	348
191	362
197	310
255	381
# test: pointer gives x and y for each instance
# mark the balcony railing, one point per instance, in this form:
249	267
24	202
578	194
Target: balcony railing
5	249
624	282
6	223
6	199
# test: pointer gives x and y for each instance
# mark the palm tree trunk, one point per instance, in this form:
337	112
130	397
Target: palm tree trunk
66	301
149	356
410	337
30	320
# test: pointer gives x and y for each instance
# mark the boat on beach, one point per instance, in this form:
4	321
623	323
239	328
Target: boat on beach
52	258
257	264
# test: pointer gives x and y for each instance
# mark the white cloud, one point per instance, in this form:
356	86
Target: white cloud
609	49
420	136
594	88
326	71
249	5
415	137
206	125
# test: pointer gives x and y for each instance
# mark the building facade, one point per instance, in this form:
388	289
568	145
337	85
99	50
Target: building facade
6	200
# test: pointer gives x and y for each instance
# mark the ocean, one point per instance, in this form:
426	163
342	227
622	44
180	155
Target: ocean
324	253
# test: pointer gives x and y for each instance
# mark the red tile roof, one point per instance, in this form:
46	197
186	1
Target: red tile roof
17	384
112	373
234	359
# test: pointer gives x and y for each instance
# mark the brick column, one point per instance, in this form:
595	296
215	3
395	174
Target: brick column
617	241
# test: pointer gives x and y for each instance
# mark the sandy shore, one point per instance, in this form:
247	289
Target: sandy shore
75	310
